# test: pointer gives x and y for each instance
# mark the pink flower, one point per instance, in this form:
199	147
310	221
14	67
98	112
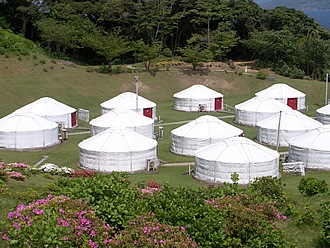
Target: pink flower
65	239
183	229
5	237
284	217
92	233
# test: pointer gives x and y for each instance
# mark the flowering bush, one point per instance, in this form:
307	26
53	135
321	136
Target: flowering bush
82	173
248	221
147	231
17	171
55	221
151	188
56	170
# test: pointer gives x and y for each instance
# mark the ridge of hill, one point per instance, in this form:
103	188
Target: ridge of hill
295	4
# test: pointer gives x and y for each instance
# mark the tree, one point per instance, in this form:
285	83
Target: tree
110	45
145	53
195	53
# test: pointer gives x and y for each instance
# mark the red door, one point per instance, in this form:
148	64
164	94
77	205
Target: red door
293	103
147	112
74	119
218	103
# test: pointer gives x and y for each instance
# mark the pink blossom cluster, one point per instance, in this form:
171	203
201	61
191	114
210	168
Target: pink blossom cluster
74	222
147	231
16	175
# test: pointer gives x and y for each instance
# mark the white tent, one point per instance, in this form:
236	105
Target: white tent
323	114
52	110
292	124
200	132
312	148
217	162
286	94
117	149
127	100
27	131
198	98
256	109
123	118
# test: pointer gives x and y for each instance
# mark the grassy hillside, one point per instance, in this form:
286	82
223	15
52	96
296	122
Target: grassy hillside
25	79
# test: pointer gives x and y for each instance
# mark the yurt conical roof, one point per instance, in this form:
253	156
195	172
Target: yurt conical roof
286	94
292	124
127	100
257	109
312	148
27	130
50	109
200	132
218	161
279	91
323	114
123	118
117	149
198	91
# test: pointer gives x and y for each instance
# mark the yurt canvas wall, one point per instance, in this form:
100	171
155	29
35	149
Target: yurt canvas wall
286	94
127	100
200	132
123	118
117	149
323	114
27	131
292	124
52	110
312	148
217	162
198	98
256	109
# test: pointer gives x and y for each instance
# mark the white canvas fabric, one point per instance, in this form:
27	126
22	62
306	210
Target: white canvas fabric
323	114
200	132
256	109
190	98
27	131
293	123
51	110
123	118
217	162
117	149
312	148
282	92
127	100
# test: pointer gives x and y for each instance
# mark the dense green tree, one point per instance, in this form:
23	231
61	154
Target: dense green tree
109	45
145	53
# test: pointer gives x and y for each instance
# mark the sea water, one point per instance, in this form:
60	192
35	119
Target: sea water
321	16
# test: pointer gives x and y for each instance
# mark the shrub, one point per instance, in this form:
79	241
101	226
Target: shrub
297	73
261	75
147	231
312	186
55	222
269	188
285	70
307	218
326	224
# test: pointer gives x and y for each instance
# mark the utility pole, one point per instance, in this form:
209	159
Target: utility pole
137	93
326	89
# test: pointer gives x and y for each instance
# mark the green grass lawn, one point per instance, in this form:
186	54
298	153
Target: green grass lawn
24	81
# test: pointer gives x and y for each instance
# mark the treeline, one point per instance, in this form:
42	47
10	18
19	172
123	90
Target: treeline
196	30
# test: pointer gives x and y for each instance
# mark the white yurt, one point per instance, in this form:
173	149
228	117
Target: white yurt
202	131
312	148
198	98
256	109
117	149
123	118
323	114
292	124
27	131
217	162
286	94
127	100
52	110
